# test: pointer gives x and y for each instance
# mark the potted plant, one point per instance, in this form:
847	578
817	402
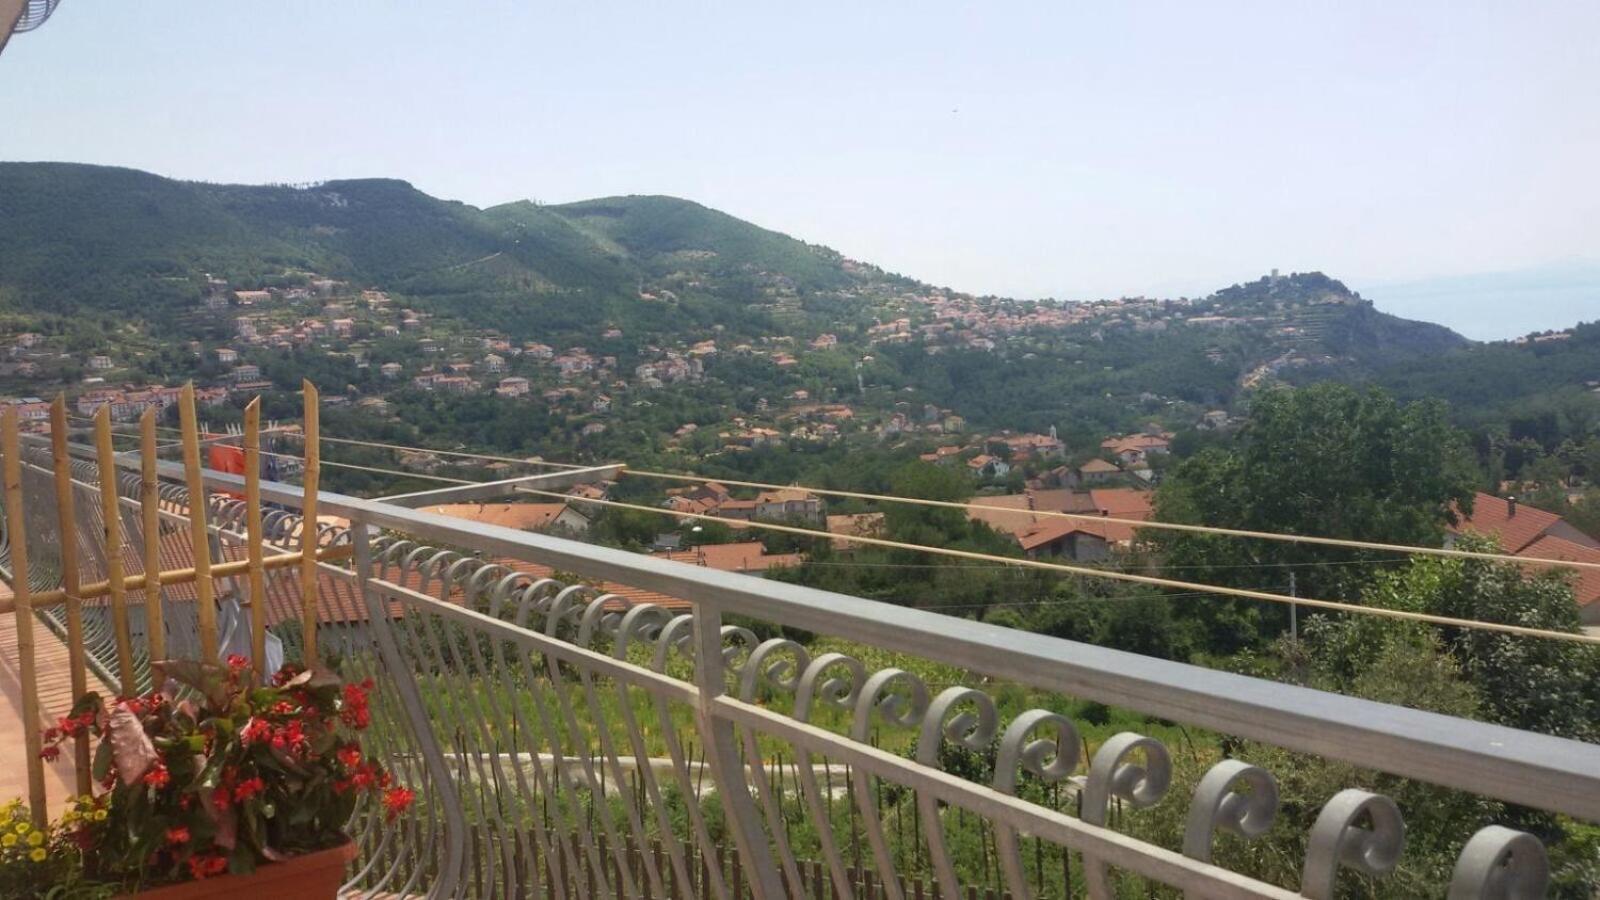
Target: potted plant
48	862
246	788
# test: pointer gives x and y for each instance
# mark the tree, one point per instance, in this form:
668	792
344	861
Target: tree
1538	684
1327	460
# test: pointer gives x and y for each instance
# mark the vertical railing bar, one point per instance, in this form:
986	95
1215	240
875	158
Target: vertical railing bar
565	796
155	625
608	750
541	846
642	764
455	708
722	753
70	581
308	524
111	521
609	832
411	699
253	548
17	525
680	768
204	601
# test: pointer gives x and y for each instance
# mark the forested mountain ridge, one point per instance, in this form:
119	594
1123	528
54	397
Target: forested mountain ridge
116	261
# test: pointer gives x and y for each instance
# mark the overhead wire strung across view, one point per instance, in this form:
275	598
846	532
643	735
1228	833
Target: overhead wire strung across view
1188	588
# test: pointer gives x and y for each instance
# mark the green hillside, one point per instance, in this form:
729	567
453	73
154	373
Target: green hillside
101	239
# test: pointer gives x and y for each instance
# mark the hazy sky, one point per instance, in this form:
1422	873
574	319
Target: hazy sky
1049	149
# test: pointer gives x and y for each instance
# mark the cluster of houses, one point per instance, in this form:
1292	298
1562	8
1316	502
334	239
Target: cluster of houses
794	505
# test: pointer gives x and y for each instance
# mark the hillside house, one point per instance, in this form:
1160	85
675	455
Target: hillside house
743	556
1036	446
985	466
1135	449
1065	539
789	504
513	386
227	355
1098	471
1523	530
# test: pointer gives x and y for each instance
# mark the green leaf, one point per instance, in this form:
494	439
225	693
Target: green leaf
102	761
242	861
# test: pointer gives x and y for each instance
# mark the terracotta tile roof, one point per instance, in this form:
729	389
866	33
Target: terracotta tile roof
1122	503
1494	516
1063	500
1098	465
524	516
1585	582
1010	513
744	556
1135	442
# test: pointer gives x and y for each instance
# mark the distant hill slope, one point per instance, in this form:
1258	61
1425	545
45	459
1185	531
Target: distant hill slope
109	239
1317	314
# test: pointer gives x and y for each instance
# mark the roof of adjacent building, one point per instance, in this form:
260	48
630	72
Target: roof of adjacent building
524	516
1585	582
742	556
1515	525
1122	503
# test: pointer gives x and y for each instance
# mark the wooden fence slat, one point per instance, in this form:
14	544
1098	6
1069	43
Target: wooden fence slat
66	512
16	527
308	528
111	515
252	502
200	536
150	512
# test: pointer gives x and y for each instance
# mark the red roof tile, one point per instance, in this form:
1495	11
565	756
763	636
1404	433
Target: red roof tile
1585	582
1494	516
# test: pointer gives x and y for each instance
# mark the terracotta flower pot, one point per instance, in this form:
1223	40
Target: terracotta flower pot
311	876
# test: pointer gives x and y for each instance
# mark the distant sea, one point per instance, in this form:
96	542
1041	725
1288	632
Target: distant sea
1494	306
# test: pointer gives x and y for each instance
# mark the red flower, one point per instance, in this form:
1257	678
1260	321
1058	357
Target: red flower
255	731
397	800
206	865
354	711
178	835
50	753
158	776
248	788
349	756
291	738
237	663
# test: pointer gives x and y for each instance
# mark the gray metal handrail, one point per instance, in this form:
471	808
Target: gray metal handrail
443	616
1527	768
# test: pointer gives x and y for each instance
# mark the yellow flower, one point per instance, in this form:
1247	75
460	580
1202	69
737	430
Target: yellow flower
36	839
38	855
99	815
23	828
9	840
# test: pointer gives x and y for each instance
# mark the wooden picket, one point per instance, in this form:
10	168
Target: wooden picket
123	591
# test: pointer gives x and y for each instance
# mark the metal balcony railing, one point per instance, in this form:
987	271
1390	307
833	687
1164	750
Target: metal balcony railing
772	740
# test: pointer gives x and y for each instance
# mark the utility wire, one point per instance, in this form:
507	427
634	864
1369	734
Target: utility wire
1381	612
1445	552
1137	523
